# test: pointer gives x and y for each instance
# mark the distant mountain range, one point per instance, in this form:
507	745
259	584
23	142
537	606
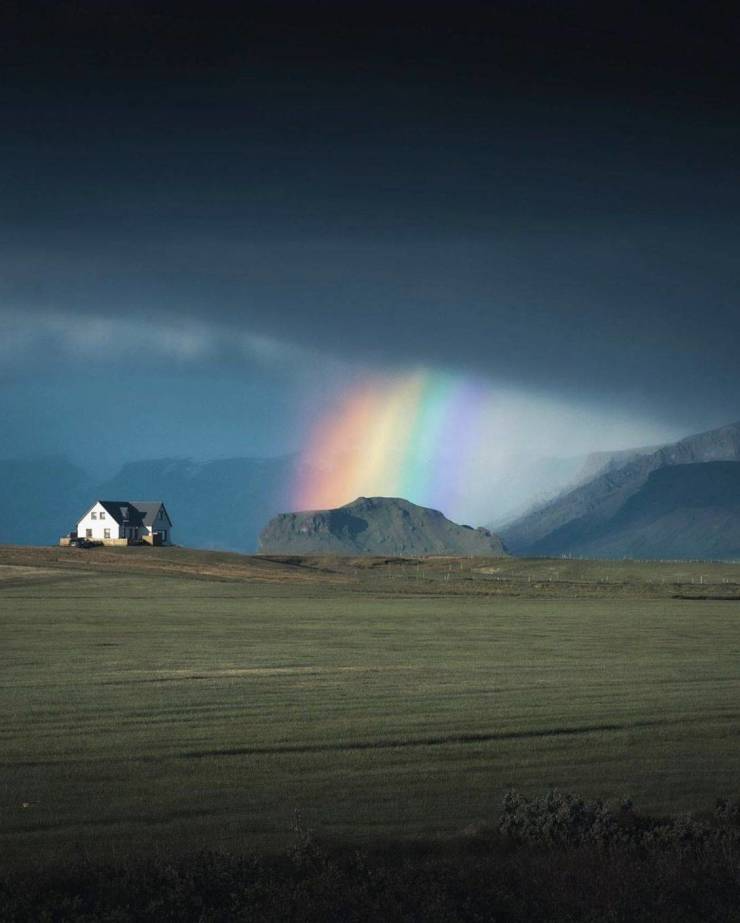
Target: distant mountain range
41	499
675	501
216	504
642	505
375	525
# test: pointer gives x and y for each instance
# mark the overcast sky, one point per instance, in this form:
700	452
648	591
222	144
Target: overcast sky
213	219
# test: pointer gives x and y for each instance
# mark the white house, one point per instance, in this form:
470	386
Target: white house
126	522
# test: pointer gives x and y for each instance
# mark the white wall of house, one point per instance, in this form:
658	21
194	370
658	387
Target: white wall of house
96	523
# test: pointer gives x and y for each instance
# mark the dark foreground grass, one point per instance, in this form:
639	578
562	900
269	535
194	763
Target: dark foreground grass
597	865
522	886
146	714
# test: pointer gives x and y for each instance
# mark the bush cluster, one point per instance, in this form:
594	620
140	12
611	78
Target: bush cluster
560	819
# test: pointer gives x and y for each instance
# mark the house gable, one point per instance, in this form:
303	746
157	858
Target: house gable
102	522
154	513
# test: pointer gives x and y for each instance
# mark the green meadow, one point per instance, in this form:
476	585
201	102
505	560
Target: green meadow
205	702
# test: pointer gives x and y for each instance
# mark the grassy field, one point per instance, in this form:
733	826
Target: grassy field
164	699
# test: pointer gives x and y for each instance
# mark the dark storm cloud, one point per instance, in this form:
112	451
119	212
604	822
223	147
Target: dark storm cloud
524	188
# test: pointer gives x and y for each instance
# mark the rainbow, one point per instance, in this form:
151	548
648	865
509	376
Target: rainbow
419	435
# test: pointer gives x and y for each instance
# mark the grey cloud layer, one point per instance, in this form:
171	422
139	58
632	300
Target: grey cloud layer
643	318
541	200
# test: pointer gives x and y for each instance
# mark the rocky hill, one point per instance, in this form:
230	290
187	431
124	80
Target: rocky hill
378	526
569	523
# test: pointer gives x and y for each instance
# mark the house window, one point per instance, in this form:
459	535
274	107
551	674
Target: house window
164	535
88	533
106	533
102	514
93	515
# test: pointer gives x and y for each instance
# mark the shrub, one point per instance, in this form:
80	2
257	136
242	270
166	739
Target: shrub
561	819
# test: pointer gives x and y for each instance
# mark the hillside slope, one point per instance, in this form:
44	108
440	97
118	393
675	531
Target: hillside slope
375	525
681	511
567	523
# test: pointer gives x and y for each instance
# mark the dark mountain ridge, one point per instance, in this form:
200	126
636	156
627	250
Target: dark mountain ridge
682	511
570	523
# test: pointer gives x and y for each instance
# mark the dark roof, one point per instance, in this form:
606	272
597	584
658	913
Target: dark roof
149	510
123	511
134	512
